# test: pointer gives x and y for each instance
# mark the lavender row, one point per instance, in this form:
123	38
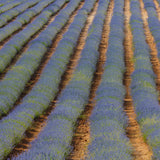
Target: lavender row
55	140
46	88
13	46
24	18
14	81
143	88
3	2
10	5
154	23
5	17
10	49
107	122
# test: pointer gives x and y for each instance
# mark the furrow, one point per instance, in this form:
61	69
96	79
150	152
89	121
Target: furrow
81	137
157	8
141	150
153	49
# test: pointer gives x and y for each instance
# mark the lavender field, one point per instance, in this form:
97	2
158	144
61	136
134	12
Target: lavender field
80	79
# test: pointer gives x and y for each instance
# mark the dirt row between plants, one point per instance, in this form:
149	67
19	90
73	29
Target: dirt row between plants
140	148
152	45
157	8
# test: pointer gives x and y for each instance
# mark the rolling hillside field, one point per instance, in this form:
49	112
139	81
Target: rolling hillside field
79	79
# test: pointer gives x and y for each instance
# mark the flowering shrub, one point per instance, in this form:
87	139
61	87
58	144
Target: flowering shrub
46	88
10	49
108	139
143	86
74	97
23	19
8	15
10	5
16	78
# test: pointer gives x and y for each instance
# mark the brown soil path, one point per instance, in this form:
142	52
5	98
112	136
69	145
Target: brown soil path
81	136
152	45
157	8
141	150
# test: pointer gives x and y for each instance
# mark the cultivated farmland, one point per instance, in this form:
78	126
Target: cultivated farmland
80	79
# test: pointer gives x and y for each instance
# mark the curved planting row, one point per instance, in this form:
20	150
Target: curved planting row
11	48
16	78
154	23
55	140
24	18
5	17
108	139
143	88
10	5
3	2
44	91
